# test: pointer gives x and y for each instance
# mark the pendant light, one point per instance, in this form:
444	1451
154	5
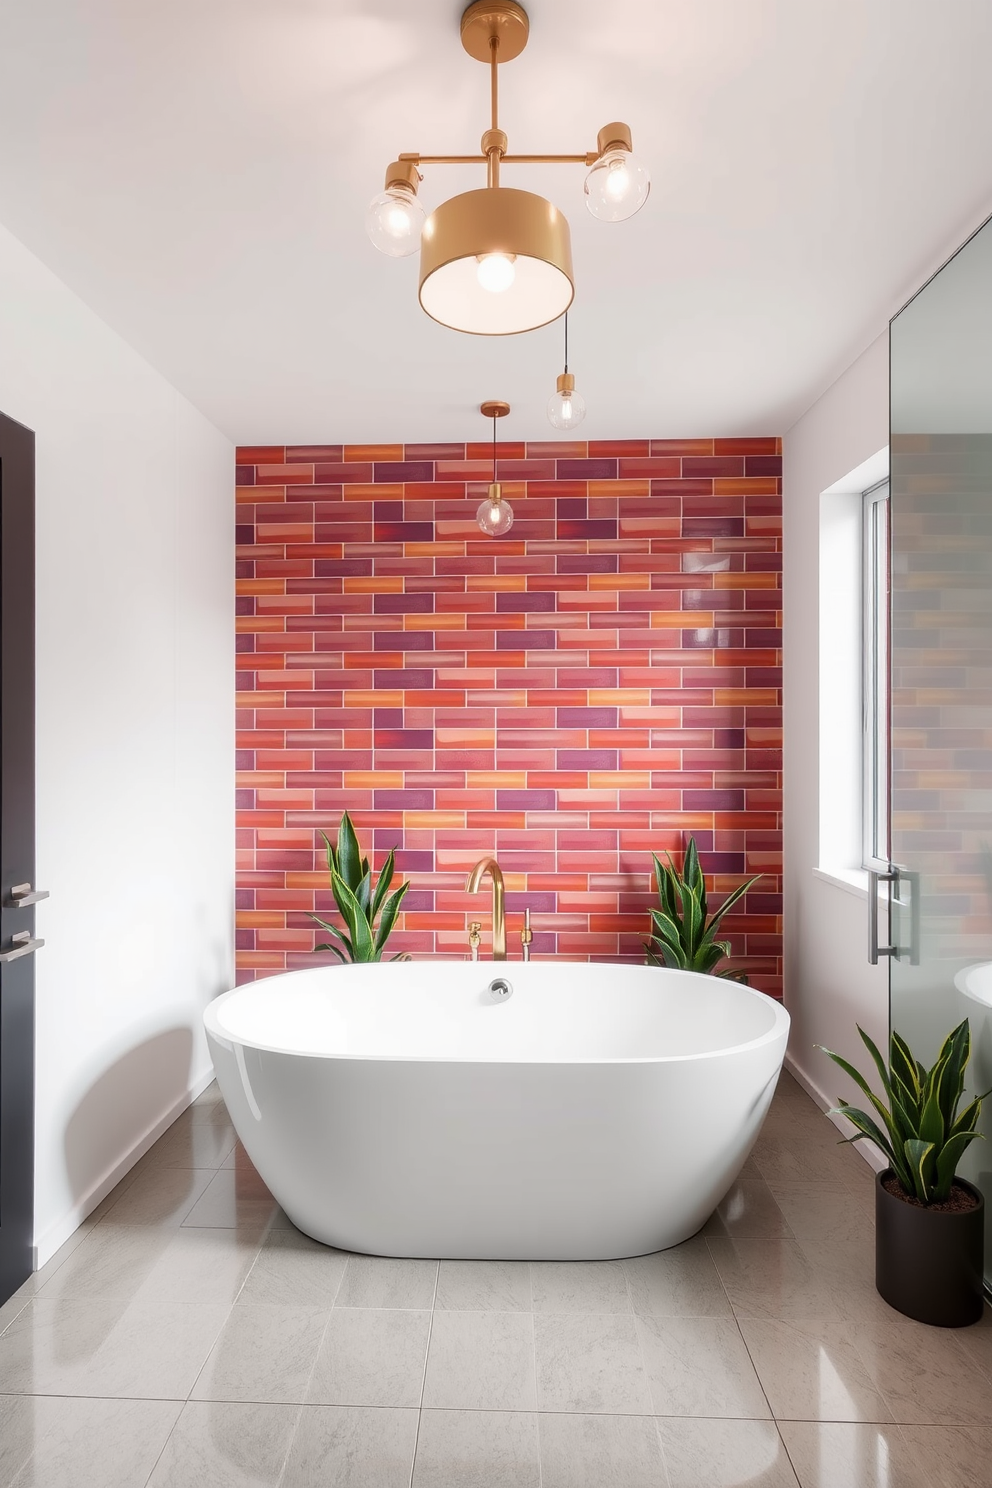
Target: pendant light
497	261
566	407
494	516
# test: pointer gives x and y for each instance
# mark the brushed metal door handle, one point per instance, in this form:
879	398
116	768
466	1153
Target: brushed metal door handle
21	944
22	895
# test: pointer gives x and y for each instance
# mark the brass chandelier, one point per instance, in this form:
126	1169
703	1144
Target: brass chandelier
498	261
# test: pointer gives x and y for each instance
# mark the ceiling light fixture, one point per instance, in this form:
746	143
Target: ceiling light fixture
566	407
495	516
498	261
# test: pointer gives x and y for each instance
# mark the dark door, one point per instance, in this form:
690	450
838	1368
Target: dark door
18	892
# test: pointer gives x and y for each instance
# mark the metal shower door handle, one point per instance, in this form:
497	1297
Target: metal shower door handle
874	949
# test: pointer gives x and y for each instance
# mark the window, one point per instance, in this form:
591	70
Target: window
875	675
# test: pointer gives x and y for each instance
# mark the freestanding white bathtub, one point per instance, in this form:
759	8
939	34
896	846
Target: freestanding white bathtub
398	1109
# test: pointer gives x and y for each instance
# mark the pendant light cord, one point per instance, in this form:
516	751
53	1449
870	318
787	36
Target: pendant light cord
566	340
494	449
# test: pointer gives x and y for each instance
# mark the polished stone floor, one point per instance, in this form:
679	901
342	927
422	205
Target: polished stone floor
187	1335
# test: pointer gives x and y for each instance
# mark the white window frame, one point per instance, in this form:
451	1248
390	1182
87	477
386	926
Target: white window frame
875	676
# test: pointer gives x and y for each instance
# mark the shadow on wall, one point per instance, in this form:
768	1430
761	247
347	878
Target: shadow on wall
129	1097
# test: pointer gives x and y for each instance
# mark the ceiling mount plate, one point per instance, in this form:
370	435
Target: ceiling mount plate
487	18
494	408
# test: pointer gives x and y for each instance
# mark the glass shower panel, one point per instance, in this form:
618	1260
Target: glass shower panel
941	671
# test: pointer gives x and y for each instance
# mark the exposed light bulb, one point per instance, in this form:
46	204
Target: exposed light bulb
394	221
494	516
617	186
496	272
566	407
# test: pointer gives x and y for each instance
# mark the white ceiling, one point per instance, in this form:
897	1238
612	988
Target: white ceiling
198	171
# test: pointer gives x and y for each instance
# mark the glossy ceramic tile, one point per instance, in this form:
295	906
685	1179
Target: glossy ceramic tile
597	1451
700	1367
481	1361
263	1353
379	1281
51	1442
590	1362
484	1286
835	1455
227	1445
159	1196
579	1286
595	573
133	1351
462	1449
248	1354
811	1370
726	1454
772	1278
351	1447
371	1356
750	1211
292	1270
682	1282
233	1199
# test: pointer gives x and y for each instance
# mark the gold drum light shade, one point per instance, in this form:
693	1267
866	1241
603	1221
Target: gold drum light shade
517	224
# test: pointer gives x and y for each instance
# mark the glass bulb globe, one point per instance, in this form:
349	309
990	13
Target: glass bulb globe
394	220
496	272
494	517
617	186
565	409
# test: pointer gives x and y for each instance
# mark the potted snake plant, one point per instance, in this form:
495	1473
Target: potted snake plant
684	939
360	902
929	1222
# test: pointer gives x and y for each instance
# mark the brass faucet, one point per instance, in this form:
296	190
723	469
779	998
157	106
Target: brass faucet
490	866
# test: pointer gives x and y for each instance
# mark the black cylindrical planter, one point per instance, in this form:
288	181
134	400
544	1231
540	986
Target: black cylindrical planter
929	1265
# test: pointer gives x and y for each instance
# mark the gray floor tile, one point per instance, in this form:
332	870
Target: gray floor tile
585	1451
350	1446
481	1361
137	1351
74	1443
156	1264
371	1356
748	1211
726	1454
681	1282
158	1196
700	1367
773	1278
579	1286
590	1362
811	1370
232	1200
477	1449
217	1444
201	1144
843	1455
484	1286
264	1354
382	1281
292	1270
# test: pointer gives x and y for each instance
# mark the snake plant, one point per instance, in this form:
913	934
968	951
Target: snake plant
683	937
359	902
921	1134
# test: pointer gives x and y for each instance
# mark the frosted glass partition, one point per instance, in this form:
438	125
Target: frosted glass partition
941	669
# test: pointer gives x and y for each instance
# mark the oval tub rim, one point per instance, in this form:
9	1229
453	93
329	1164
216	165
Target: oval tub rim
781	1023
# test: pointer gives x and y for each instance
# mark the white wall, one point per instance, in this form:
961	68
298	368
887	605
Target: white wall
135	747
829	985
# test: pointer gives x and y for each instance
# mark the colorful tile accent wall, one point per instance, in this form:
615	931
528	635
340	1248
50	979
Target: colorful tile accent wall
599	683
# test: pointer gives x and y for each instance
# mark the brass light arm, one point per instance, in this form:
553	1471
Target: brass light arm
589	158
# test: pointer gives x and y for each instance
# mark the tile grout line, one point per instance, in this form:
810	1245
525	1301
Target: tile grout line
423	1384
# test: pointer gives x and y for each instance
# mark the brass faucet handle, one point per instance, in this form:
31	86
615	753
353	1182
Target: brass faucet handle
475	932
526	934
